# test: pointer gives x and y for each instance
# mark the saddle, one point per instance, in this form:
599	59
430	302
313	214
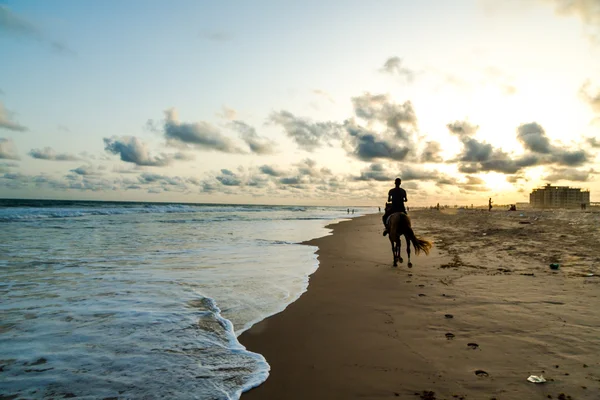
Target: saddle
387	221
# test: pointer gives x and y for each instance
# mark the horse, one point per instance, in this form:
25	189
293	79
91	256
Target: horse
399	224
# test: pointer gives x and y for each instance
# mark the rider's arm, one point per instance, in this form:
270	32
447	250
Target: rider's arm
389	196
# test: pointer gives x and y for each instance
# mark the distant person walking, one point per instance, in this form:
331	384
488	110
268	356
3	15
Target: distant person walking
490	204
348	211
397	196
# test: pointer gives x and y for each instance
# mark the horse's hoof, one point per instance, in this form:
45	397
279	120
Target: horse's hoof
395	264
401	260
409	265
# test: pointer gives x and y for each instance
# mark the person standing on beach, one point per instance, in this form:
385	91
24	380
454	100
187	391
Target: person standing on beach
490	204
397	196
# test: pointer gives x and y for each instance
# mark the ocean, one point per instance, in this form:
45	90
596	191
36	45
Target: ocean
145	300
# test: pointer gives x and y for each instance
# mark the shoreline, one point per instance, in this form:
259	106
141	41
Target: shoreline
365	329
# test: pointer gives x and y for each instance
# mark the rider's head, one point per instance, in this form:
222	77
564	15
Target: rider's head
398	181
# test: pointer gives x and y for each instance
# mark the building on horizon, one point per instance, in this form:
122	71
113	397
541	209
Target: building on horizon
559	197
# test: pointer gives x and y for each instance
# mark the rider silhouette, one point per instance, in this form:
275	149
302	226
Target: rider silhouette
397	196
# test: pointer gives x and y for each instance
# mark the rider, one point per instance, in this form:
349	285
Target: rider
397	196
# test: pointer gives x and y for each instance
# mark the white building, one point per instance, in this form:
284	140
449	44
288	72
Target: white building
559	197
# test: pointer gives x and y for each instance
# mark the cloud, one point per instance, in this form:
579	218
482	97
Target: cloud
48	153
568	174
324	94
375	172
462	128
227	113
398	118
308	167
533	137
133	150
367	146
8	150
593	142
271	170
85	170
5	120
393	66
217	36
228	178
586	93
431	153
477	156
257	144
201	135
6	166
307	134
587	10
14	25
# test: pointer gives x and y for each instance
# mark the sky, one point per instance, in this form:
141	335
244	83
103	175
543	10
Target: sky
305	102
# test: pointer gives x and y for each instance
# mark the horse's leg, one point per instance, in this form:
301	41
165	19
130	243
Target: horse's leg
408	250
398	249
394	252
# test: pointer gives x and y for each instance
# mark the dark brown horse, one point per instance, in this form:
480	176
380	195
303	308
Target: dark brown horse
398	225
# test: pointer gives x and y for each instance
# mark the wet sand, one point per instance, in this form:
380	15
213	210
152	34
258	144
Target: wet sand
472	320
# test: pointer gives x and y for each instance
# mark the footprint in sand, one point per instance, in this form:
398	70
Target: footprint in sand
422	295
449	336
481	372
448	315
421	285
473	345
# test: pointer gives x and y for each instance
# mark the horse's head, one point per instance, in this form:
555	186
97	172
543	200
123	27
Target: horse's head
388	207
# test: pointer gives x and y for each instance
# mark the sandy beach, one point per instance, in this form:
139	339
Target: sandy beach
473	320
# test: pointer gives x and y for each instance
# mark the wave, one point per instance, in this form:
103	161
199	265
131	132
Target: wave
28	210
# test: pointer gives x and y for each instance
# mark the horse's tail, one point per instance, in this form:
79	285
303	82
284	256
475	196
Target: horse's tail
420	244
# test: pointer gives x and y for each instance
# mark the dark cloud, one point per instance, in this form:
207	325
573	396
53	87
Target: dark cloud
290	181
8	150
367	146
393	66
477	156
307	134
270	170
462	129
7	123
375	172
133	150
257	144
201	135
399	118
533	137
475	151
48	153
85	170
229	178
569	158
568	174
